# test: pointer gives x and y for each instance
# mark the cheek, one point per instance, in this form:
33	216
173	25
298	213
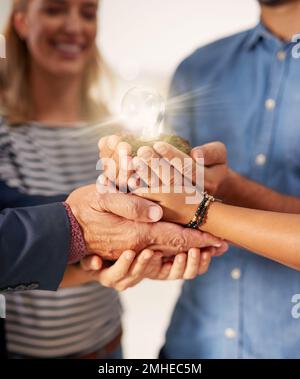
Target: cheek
38	38
91	34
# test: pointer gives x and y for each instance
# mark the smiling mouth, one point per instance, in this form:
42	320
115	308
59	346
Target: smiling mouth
69	50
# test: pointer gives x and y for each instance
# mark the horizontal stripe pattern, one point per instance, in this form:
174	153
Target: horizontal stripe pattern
49	161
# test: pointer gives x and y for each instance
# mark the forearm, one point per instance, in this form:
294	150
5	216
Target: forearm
240	191
34	245
273	235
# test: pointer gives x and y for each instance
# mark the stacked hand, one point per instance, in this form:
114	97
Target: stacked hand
142	171
120	226
131	268
135	228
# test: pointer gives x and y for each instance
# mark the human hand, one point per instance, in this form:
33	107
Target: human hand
108	228
214	155
131	268
216	171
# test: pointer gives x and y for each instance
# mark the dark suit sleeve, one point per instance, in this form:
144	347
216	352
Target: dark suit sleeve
34	244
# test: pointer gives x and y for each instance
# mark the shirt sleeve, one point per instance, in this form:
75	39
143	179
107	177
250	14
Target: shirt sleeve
77	249
34	247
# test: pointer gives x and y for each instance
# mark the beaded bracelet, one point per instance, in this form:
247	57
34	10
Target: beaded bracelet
201	212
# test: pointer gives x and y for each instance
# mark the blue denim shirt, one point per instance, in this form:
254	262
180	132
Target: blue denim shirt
243	90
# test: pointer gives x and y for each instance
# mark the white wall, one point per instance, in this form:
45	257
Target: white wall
157	34
144	40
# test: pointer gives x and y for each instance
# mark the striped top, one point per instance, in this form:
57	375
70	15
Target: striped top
48	161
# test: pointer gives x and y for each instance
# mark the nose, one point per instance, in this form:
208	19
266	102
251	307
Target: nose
73	22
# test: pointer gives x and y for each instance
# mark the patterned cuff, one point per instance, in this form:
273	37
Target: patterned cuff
77	244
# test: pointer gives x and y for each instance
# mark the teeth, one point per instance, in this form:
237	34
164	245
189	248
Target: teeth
68	48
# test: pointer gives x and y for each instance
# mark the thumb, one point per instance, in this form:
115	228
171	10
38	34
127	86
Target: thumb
131	207
213	153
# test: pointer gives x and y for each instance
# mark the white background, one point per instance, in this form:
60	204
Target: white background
144	40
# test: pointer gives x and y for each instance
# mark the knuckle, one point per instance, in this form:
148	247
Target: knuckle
179	241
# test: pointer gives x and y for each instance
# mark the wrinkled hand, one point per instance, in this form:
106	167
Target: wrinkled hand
114	222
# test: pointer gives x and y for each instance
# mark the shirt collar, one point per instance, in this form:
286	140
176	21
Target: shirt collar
259	33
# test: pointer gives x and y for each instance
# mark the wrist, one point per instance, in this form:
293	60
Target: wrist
200	216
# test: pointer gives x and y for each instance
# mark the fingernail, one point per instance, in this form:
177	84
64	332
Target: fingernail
217	245
129	255
161	147
204	257
154	213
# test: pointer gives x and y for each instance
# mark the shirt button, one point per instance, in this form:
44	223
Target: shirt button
260	160
270	104
230	333
236	274
281	55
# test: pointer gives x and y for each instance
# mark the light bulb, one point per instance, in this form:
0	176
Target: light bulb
144	112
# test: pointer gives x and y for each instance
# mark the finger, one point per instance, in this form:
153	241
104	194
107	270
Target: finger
213	153
193	263
134	182
146	173
104	185
137	271
154	266
126	169
191	169
112	275
103	148
168	237
109	157
130	207
118	156
108	144
159	169
204	263
140	264
218	249
110	168
165	271
91	263
178	267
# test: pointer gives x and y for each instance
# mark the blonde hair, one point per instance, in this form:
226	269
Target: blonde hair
15	98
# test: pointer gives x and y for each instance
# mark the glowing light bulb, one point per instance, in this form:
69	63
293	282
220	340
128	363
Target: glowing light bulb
144	112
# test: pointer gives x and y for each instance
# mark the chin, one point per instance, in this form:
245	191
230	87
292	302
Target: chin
60	68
